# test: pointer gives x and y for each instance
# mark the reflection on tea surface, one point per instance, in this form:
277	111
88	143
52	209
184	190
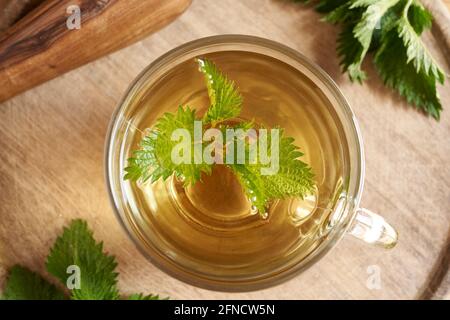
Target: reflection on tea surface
211	227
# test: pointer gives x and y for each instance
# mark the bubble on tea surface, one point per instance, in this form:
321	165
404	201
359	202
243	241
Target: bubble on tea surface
265	215
300	210
255	211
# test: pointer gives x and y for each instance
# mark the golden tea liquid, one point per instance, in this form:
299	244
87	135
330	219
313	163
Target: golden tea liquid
211	227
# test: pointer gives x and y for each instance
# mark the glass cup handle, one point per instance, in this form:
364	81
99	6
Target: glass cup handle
372	228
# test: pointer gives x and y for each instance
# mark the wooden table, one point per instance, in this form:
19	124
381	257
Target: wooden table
51	164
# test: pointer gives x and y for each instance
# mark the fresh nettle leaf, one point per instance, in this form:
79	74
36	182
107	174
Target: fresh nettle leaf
140	296
77	247
419	89
419	17
377	25
23	284
364	30
153	160
294	178
226	101
416	51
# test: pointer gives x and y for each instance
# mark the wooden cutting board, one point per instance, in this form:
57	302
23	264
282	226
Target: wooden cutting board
51	162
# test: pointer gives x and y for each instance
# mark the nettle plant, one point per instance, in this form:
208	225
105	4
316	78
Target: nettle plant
391	30
84	271
187	145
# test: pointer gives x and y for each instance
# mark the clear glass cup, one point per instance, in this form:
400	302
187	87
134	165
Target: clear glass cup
347	217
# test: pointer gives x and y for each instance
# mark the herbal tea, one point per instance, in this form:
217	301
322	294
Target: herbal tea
219	226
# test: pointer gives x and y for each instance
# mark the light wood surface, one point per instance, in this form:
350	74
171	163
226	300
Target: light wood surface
51	164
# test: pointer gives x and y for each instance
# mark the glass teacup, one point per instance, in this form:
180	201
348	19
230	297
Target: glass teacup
218	242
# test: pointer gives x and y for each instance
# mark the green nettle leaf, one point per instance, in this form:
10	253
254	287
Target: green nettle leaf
23	284
364	30
351	50
253	186
225	99
377	25
341	14
416	51
420	18
326	6
293	179
419	89
77	247
140	296
153	160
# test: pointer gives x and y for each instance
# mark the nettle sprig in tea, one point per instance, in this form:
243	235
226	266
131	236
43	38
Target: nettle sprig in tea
291	177
391	29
